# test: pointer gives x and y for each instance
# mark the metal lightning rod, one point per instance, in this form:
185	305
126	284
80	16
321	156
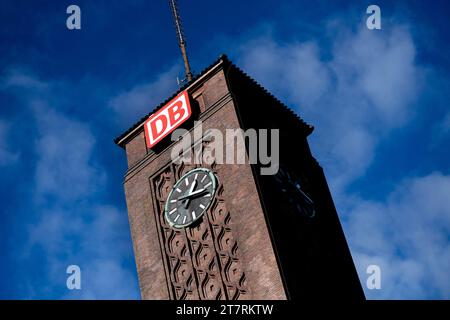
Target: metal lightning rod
180	37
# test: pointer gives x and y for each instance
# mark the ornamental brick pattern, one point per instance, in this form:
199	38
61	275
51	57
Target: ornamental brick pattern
202	262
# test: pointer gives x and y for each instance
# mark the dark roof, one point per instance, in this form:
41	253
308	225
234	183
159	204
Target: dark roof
308	129
223	58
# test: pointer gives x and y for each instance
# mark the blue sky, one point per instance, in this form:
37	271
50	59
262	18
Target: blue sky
378	100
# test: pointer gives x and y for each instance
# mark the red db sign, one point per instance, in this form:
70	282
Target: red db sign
163	122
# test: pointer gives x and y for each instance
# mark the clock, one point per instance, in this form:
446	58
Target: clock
292	189
190	197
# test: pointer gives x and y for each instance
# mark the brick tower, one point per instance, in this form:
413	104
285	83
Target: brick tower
261	236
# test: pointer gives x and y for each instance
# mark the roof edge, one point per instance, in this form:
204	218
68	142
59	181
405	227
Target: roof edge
222	60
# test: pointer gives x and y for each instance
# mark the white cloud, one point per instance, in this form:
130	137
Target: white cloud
68	221
93	238
294	70
105	279
65	146
73	227
65	167
135	103
16	78
7	156
356	95
407	235
381	69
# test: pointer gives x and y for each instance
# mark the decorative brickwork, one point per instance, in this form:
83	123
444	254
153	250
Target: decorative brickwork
202	260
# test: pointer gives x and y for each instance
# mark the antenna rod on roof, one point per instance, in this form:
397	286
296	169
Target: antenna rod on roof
180	38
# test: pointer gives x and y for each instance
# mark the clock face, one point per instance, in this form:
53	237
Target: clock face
292	189
190	197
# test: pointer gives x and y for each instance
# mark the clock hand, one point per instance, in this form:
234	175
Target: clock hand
192	194
191	189
186	199
194	183
198	192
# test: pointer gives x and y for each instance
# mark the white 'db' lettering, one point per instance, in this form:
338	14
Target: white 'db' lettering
170	117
